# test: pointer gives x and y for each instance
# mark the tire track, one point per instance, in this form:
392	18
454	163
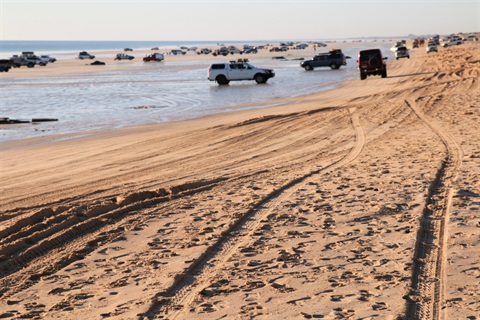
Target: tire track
180	295
427	297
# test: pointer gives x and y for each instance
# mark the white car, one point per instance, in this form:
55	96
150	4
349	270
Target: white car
402	52
395	47
452	42
48	58
223	73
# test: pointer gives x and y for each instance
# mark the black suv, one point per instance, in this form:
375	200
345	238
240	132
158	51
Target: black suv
370	62
333	59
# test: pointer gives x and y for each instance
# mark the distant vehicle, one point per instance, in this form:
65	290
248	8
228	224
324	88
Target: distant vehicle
5	65
155	48
402	52
279	49
123	56
128	49
176	52
431	47
27	58
333	59
452	42
250	50
223	51
48	58
154	57
301	46
370	62
204	51
85	55
233	50
470	38
239	70
396	46
415	44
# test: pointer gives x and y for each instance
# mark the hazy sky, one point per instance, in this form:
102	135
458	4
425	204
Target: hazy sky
232	19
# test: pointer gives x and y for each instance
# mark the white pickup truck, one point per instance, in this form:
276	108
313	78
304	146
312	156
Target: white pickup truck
239	70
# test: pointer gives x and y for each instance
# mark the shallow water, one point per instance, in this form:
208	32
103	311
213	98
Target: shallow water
171	91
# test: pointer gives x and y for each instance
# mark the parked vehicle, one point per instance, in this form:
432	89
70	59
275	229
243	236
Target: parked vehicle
250	50
279	49
471	38
233	50
128	49
223	51
239	70
402	52
415	44
370	62
5	65
123	56
48	58
154	57
27	58
431	47
333	59
455	41
204	51
155	48
176	52
85	55
301	46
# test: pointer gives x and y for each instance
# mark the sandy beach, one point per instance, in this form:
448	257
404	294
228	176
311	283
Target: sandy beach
361	202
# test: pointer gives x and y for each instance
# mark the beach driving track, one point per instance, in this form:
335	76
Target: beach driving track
428	281
181	294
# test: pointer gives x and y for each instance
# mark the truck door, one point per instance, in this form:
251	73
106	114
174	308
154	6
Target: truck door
237	72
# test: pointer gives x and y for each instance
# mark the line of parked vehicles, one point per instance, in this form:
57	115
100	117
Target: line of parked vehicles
27	58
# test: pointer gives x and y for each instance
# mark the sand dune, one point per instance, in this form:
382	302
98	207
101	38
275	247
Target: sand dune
356	203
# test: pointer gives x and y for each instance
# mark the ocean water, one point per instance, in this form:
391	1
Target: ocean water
151	93
11	47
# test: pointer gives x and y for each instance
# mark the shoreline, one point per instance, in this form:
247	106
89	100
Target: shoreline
77	77
310	209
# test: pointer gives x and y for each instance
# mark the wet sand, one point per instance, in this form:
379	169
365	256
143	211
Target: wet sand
356	203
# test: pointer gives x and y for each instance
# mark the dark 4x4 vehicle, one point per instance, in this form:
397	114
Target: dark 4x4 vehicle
370	62
333	59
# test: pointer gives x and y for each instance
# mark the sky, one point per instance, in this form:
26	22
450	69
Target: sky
198	20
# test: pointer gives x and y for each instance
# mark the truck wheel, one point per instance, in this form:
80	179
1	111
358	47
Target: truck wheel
384	73
260	78
363	76
222	80
333	66
308	68
31	65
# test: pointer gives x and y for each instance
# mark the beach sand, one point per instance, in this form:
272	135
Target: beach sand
361	202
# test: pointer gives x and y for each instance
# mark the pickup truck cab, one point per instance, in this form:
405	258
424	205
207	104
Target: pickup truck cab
239	70
333	59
